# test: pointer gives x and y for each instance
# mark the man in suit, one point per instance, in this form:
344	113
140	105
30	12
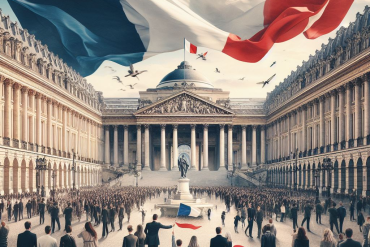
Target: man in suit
307	216
20	207
29	208
54	213
68	240
121	216
319	210
105	220
259	219
47	240
42	211
130	240
341	214
251	215
9	209
349	242
219	240
27	238
151	231
112	215
294	213
68	215
4	231
333	217
15	211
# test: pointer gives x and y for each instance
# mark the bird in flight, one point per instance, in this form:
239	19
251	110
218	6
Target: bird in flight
109	67
134	73
118	79
217	70
273	64
131	86
202	55
241	79
266	82
123	89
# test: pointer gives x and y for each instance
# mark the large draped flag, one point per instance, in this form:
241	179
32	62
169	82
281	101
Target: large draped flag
185	210
86	32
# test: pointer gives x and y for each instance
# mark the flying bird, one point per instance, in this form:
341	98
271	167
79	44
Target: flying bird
109	67
217	70
131	86
273	64
118	79
266	82
123	89
202	55
241	79
134	73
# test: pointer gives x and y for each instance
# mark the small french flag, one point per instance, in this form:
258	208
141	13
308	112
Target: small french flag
185	210
189	47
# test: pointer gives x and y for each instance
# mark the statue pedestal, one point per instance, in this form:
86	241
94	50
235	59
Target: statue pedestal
183	192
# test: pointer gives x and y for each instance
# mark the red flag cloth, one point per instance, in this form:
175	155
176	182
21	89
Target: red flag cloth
238	246
185	225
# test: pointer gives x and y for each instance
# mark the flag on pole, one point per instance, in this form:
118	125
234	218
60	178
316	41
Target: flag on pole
86	33
185	210
185	225
189	47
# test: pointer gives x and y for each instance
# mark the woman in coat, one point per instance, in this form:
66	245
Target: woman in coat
89	236
328	239
140	235
301	240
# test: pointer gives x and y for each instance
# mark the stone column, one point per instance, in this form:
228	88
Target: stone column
38	122
115	145
364	181
24	91
64	131
366	110
31	130
8	86
138	145
205	147
289	136
230	147
174	148
278	141
16	111
193	146
244	147
348	114
125	146
147	148
322	121
358	113
304	128
341	116
254	145
163	148
263	145
49	126
107	148
332	117
222	145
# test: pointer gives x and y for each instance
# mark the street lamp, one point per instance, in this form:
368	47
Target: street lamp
40	166
295	170
328	166
317	180
53	177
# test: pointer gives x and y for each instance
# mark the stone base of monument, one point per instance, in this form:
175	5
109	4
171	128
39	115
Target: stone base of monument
171	206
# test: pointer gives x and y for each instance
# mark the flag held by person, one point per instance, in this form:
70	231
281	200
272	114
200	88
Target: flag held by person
86	33
185	210
186	225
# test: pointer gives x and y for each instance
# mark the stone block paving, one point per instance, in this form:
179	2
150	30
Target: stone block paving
204	234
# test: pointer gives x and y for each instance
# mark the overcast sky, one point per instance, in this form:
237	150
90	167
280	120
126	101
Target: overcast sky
288	56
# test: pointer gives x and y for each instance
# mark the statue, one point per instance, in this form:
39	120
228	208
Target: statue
183	166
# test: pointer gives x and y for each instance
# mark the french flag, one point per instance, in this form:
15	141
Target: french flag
185	210
87	32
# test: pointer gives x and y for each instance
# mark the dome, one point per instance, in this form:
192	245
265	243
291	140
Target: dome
184	72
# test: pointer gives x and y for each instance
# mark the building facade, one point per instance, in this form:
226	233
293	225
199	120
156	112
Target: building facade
319	111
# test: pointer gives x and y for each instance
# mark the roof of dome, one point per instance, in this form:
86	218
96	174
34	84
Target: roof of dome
184	72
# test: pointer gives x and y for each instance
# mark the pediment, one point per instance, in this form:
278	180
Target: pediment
184	103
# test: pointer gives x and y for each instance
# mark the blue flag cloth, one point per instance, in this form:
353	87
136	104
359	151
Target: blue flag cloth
185	210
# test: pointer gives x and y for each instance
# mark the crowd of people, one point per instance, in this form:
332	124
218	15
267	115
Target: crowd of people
104	205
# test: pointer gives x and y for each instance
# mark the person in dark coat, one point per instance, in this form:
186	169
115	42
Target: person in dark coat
29	208
219	240
54	212
105	220
236	222
349	242
9	209
4	231
251	216
15	211
27	238
319	210
121	216
359	206
130	240
268	239
333	217
360	220
68	215
259	219
112	215
294	213
301	240
68	240
151	231
307	216
20	209
352	211
42	211
341	214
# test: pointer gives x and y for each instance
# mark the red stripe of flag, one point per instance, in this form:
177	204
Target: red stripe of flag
186	225
193	49
238	246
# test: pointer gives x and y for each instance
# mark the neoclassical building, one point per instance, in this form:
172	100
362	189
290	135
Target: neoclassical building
319	111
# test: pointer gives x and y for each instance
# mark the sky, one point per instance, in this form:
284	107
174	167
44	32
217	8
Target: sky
288	56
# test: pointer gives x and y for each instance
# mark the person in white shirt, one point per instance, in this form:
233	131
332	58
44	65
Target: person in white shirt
282	210
47	240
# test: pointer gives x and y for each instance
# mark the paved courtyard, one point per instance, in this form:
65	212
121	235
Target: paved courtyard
204	234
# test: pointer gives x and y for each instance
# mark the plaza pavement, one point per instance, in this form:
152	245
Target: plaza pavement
204	234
